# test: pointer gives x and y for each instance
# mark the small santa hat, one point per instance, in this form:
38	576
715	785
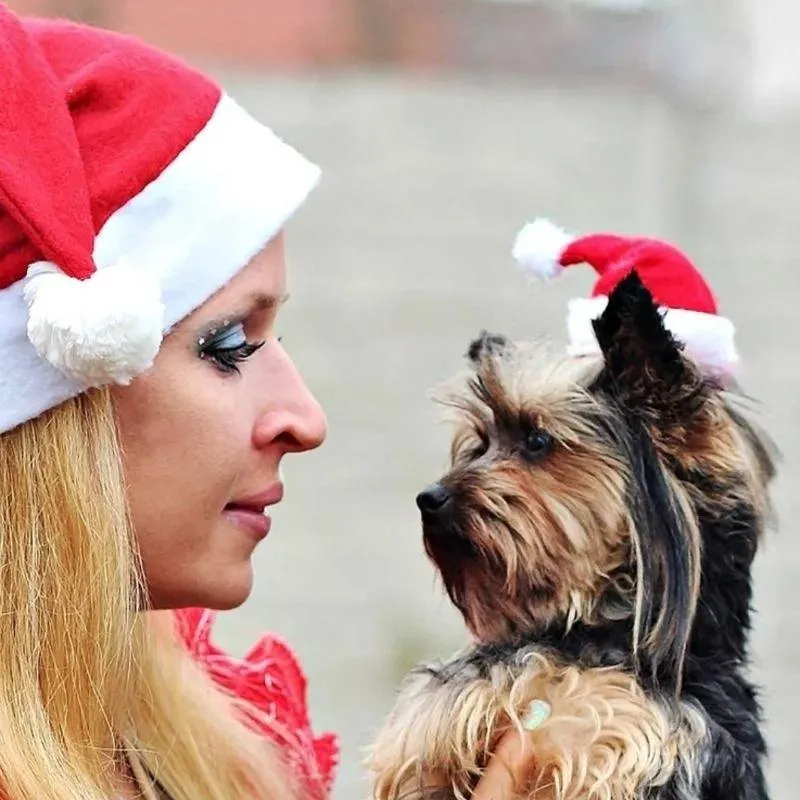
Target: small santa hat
132	188
677	286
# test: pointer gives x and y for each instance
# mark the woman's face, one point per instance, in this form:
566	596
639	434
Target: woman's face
203	434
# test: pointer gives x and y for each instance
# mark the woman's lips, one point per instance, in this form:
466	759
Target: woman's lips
249	512
256	523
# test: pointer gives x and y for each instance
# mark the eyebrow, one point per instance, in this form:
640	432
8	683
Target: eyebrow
258	301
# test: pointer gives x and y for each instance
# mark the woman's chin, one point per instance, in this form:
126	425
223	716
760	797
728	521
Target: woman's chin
230	588
233	592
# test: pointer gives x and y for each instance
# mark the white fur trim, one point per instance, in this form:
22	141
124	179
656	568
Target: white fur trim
539	246
227	194
106	329
709	339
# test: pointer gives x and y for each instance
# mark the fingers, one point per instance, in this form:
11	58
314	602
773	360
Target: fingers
503	775
513	761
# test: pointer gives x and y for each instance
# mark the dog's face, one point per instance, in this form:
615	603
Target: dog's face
577	487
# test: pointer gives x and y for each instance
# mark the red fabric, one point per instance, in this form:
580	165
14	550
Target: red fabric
88	118
667	273
600	250
270	679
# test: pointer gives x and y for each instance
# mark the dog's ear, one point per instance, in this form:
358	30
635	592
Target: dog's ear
668	552
644	364
487	345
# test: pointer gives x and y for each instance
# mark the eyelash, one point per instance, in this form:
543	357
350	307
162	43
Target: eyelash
227	359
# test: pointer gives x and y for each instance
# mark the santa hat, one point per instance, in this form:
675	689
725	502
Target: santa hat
132	188
677	286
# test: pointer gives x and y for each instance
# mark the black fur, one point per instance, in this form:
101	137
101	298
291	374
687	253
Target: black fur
714	671
486	344
700	660
645	370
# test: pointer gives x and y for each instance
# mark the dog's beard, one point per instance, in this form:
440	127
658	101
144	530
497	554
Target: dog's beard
486	577
453	555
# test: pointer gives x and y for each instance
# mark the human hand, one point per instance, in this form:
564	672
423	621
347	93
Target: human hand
510	768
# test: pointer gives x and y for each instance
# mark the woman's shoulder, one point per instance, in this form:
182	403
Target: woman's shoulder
272	686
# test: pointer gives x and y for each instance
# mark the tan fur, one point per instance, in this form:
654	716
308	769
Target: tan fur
534	545
582	549
578	499
603	741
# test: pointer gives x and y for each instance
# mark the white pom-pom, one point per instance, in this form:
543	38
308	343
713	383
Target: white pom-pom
538	248
105	329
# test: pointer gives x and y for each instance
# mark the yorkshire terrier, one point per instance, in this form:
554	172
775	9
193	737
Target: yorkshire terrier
596	530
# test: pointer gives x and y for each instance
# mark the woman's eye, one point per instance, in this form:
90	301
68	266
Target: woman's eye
227	347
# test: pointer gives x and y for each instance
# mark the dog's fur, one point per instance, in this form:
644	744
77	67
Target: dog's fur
597	531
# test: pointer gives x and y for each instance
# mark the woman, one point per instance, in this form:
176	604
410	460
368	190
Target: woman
145	407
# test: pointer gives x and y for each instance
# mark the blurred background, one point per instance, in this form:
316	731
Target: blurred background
442	126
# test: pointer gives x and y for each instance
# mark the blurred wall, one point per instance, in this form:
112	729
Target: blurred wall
716	50
708	51
268	34
675	121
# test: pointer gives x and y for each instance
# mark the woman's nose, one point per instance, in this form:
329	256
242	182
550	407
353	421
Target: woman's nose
292	416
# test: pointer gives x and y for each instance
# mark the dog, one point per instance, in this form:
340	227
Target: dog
596	529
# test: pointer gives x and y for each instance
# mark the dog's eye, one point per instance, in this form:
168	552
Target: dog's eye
537	443
479	448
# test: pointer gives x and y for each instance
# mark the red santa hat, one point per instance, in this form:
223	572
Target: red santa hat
677	286
132	188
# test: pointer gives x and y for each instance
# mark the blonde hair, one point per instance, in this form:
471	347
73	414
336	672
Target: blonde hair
83	673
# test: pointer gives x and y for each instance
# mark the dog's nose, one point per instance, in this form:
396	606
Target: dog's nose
434	500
